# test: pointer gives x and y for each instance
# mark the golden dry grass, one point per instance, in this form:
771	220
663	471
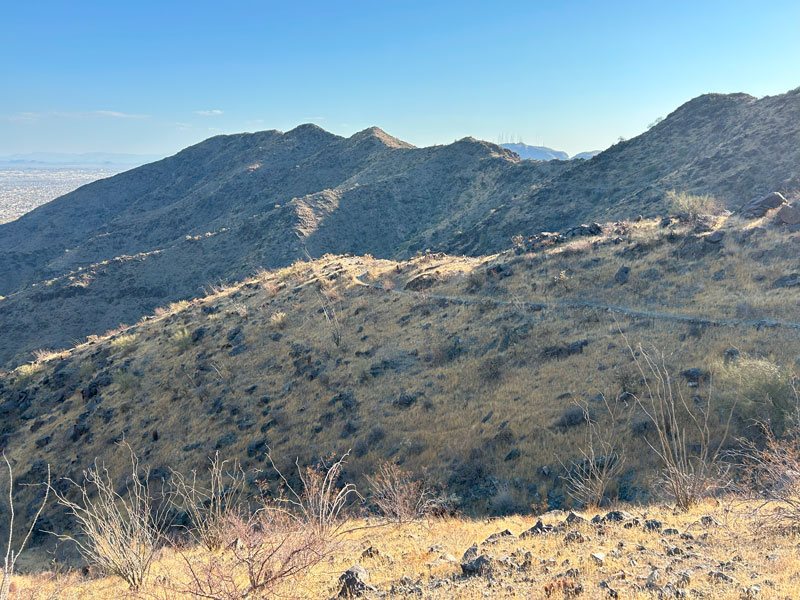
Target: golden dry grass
210	376
414	561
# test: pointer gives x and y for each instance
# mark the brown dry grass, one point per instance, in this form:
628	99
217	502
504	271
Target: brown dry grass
767	559
281	389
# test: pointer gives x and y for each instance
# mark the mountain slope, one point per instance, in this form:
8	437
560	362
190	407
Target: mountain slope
468	367
731	146
116	249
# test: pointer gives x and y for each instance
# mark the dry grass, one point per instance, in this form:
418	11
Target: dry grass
481	421
415	555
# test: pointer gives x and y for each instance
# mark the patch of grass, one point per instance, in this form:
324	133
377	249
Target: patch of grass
694	205
279	320
125	380
124	344
182	339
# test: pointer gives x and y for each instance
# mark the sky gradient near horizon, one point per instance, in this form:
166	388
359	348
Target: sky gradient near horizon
153	77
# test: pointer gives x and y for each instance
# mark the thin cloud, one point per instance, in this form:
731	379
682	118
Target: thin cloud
33	117
208	113
117	115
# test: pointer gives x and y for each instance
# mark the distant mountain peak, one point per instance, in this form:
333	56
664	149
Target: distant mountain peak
380	135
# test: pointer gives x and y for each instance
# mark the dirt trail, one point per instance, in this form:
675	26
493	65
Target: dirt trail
622	310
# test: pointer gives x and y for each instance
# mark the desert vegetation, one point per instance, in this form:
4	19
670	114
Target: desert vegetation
312	534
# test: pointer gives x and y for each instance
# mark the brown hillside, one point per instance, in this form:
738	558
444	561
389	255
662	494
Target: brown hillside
466	368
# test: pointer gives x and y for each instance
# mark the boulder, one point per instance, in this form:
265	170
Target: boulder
622	275
758	207
480	565
499	536
538	529
354	582
789	215
653	525
790	280
618	516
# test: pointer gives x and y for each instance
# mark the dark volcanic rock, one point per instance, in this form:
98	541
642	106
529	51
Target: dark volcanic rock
758	207
621	276
354	582
789	215
790	280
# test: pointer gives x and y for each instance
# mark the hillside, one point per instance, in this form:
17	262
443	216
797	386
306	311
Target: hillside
114	250
494	352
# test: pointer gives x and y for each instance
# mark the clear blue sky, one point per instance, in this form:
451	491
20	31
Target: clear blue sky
153	77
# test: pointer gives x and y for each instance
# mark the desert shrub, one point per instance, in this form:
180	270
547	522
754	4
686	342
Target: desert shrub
264	551
689	439
319	502
124	344
119	532
683	202
125	380
572	416
210	507
475	280
278	320
182	339
27	373
761	390
601	457
502	502
397	495
772	475
11	553
491	369
329	301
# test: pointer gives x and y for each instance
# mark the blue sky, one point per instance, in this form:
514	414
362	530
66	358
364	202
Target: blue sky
153	77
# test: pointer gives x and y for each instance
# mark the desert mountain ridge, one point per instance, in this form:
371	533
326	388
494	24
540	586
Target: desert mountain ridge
114	250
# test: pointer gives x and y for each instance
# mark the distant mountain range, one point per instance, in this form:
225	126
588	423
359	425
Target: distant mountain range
93	159
545	153
536	152
115	249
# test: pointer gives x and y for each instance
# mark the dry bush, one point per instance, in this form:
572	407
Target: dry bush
475	280
278	320
319	502
264	552
211	508
329	300
11	554
601	457
683	202
771	473
121	533
686	444
398	496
